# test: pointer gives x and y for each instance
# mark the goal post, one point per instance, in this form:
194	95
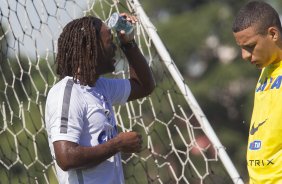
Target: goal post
180	145
187	94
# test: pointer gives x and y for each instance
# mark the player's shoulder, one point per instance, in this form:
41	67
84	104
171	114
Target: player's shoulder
103	82
66	84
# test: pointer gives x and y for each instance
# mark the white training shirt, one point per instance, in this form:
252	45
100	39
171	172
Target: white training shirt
84	115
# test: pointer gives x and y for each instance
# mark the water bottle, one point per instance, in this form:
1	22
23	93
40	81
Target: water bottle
119	23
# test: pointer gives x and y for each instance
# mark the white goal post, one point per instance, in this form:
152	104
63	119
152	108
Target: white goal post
189	97
180	146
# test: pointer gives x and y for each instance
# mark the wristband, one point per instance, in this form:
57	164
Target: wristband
129	45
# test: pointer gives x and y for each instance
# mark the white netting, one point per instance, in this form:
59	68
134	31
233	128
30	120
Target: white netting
175	149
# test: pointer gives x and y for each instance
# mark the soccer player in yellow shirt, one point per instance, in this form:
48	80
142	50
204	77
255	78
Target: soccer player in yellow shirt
257	30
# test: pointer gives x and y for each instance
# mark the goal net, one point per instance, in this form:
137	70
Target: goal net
179	144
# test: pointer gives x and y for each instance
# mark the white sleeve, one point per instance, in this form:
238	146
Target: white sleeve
118	90
64	111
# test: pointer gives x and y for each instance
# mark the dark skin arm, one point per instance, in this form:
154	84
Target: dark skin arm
70	155
141	78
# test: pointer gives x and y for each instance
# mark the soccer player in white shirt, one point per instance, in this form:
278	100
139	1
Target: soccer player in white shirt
80	123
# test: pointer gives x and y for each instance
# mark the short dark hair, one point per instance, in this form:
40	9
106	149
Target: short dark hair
78	48
259	14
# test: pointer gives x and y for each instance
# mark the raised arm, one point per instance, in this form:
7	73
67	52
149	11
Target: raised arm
141	78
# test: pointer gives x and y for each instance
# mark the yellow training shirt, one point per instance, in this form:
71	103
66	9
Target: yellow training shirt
264	155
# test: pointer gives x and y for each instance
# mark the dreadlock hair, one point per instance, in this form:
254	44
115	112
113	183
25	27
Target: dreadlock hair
259	14
78	47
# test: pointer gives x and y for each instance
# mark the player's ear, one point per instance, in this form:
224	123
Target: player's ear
274	33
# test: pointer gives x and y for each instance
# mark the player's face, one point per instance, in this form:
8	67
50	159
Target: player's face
105	58
256	48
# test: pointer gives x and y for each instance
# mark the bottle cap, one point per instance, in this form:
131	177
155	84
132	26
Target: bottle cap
112	23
